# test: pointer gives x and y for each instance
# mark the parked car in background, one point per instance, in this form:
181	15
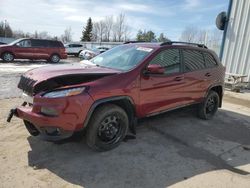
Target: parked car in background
102	49
74	49
106	95
89	54
1	43
34	49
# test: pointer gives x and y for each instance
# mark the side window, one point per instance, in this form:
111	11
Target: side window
24	43
169	59
76	45
193	60
55	44
210	61
38	43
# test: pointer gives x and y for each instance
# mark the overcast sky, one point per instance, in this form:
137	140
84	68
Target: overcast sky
167	16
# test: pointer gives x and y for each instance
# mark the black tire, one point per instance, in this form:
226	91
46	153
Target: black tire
7	57
107	128
54	58
210	105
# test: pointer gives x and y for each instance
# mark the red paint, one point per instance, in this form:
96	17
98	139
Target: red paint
149	93
33	52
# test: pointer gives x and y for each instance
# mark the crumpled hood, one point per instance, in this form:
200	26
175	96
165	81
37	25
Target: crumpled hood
55	76
51	71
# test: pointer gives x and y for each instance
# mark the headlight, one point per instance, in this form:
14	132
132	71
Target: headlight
64	93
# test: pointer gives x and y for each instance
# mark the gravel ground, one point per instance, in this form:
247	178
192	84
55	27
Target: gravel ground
175	149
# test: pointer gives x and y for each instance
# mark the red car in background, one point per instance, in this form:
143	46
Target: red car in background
26	48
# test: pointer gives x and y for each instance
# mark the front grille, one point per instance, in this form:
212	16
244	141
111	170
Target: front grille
26	84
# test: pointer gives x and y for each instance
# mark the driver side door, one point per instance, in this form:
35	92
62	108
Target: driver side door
24	50
160	92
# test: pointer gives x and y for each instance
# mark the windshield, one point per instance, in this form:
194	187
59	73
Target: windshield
15	41
123	57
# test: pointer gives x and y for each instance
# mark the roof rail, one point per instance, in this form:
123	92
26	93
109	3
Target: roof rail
128	42
179	42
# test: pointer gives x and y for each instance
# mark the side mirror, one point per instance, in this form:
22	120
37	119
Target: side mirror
155	69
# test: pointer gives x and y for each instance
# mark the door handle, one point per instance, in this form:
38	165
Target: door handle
207	74
178	78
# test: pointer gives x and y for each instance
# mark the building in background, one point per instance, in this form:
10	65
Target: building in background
236	43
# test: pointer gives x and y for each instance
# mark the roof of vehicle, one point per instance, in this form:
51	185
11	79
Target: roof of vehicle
38	39
169	43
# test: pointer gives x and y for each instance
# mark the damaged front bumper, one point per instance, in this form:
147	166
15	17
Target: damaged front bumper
72	112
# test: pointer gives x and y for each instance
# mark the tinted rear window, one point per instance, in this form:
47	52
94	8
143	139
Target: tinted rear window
77	45
55	43
194	60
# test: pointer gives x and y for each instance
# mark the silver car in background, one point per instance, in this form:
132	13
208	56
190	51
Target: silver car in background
90	53
74	48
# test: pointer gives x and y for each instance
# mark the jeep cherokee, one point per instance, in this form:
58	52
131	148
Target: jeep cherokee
106	95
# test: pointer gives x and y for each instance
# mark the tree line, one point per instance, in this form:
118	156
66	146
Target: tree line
193	34
116	29
110	28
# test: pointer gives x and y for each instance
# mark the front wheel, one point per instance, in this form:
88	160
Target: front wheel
107	128
7	56
209	107
54	58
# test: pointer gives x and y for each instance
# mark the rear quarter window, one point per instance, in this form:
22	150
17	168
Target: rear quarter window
209	60
55	44
193	60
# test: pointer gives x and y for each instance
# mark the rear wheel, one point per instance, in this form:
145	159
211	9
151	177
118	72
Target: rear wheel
7	56
54	58
107	128
209	107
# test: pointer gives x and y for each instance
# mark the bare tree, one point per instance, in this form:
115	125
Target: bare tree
189	34
102	29
212	39
67	36
36	35
44	35
109	21
107	29
202	36
120	22
95	31
127	33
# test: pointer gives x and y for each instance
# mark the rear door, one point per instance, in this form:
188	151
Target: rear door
196	75
161	92
40	48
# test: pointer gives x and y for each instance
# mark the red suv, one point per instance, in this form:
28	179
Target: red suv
49	50
107	94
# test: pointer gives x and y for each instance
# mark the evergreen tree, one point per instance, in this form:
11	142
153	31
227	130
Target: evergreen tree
147	36
162	38
87	32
